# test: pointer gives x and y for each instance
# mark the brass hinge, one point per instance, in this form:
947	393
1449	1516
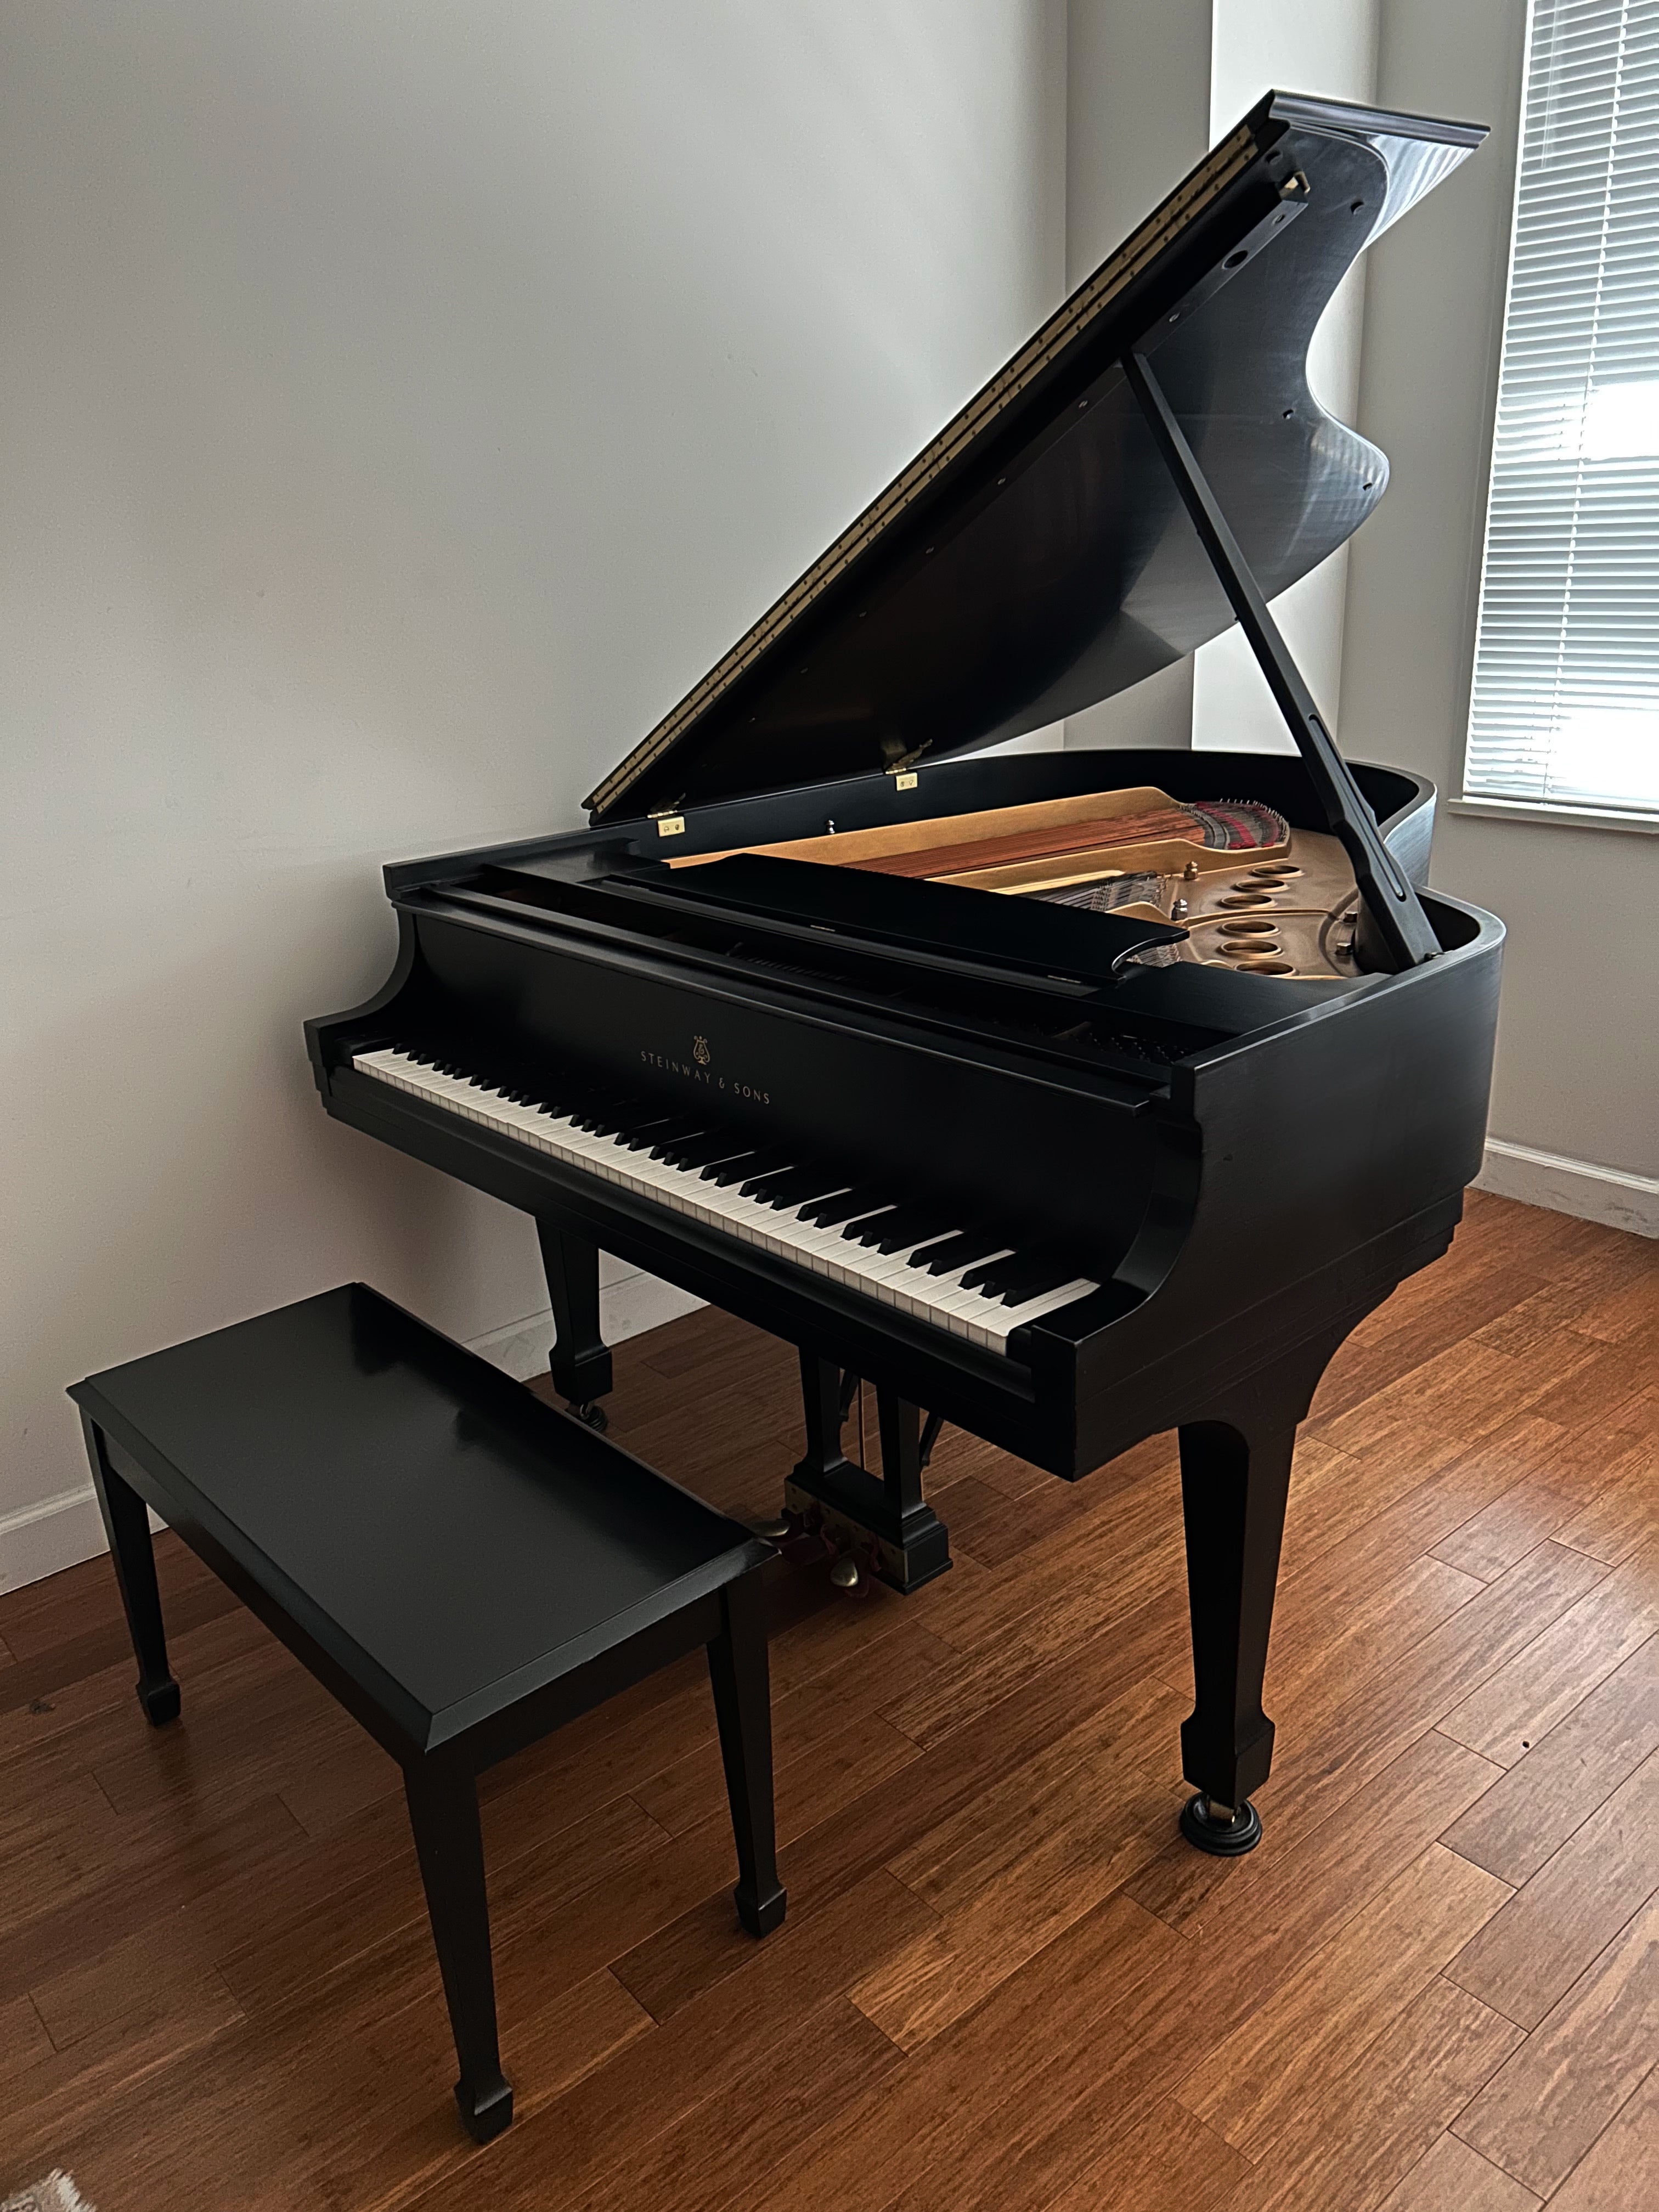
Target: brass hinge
670	821
901	765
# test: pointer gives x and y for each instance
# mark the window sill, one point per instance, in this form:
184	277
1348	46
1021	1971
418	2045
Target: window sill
1571	817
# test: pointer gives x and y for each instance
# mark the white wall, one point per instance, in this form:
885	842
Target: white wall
1578	1041
1328	47
400	405
1137	119
1149	90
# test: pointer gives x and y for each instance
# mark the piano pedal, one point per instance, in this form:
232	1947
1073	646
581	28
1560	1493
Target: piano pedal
857	1569
776	1532
590	1413
804	1542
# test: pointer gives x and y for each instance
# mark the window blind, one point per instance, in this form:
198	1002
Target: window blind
1564	709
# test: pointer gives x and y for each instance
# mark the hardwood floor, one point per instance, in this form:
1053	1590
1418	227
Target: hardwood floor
1003	1982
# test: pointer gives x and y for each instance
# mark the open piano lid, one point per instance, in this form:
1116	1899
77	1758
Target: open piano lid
1036	557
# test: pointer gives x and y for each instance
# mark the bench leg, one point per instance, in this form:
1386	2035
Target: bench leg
443	1811
127	1526
743	1706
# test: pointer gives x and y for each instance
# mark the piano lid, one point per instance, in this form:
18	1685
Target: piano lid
1035	557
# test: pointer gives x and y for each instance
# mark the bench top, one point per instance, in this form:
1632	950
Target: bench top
449	1540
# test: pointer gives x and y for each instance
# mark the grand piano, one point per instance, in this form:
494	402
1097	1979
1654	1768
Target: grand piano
1067	1096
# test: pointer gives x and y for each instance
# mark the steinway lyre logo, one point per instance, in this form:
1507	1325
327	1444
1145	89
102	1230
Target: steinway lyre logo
698	1069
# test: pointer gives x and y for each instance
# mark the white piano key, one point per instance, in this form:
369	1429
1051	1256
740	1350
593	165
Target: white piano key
889	1277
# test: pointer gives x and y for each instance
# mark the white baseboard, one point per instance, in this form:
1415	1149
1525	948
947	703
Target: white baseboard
1577	1186
38	1540
41	1540
630	1303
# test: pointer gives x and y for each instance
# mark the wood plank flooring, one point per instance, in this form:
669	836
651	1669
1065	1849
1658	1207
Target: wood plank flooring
1003	1982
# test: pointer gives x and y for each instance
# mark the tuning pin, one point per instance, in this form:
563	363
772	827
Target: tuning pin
1189	873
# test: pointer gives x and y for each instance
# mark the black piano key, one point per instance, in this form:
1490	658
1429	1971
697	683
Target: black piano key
578	1102
764	1183
600	1113
1025	1275
579	1108
955	1253
644	1136
526	1089
812	1185
976	1274
646	1140
906	1225
744	1165
845	1206
701	1151
883	1210
789	1188
731	1167
1060	1267
629	1111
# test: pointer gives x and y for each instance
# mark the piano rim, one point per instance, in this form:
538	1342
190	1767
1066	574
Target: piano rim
941	789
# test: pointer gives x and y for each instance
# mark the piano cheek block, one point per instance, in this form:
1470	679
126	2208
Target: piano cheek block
1207	1096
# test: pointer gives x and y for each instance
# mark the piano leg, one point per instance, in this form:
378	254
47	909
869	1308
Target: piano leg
886	1521
1234	1476
580	1360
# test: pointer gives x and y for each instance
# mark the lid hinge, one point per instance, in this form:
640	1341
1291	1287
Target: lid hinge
900	764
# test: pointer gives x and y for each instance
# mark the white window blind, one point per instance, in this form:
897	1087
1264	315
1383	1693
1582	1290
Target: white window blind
1564	709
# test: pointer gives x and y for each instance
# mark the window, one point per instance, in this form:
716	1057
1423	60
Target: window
1565	711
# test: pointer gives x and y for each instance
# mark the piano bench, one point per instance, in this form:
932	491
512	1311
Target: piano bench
462	1566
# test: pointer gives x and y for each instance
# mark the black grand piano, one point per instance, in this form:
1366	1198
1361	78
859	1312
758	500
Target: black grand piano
1069	1097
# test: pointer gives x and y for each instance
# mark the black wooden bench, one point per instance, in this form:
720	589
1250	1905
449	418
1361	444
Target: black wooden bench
464	1569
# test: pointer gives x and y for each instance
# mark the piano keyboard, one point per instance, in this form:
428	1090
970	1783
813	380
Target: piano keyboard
908	1254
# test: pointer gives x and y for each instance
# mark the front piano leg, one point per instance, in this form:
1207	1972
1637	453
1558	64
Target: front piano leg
580	1360
1234	1480
1234	1484
886	1520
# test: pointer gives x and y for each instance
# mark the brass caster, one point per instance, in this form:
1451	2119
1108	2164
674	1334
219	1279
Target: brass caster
847	1574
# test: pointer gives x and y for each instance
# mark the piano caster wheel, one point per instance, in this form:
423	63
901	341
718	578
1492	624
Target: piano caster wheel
1224	1831
591	1413
847	1574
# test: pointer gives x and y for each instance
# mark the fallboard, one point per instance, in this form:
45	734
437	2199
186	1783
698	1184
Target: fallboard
1069	1158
